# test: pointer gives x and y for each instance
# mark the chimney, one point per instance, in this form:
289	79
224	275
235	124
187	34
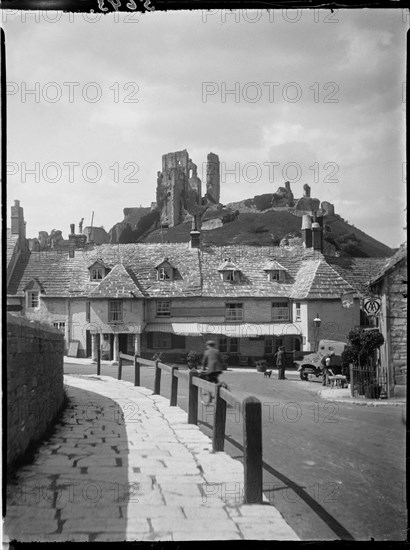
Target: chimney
307	231
195	235
317	237
72	227
18	225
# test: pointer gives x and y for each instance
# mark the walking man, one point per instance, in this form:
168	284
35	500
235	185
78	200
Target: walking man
211	362
280	363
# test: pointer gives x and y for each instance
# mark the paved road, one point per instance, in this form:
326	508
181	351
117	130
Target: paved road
334	470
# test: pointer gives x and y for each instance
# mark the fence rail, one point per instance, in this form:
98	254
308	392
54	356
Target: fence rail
248	405
368	383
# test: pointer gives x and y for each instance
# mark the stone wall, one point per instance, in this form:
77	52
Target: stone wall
35	394
398	328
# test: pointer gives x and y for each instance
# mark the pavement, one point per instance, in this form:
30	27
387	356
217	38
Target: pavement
344	395
125	466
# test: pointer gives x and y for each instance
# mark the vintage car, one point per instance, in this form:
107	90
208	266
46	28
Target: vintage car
312	363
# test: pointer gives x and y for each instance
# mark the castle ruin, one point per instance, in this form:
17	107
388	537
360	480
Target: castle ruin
179	189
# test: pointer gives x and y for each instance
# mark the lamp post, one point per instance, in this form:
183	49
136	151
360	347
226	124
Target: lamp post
317	321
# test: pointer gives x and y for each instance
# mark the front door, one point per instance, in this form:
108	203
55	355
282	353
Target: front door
122	342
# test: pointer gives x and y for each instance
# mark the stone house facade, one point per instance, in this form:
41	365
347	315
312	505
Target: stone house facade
390	284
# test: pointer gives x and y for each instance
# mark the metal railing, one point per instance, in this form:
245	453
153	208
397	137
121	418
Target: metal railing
249	406
367	383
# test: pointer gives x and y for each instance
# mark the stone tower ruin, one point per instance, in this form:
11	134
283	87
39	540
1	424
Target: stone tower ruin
179	189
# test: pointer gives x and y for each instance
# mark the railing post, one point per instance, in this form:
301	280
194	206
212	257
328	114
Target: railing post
252	450
157	381
136	371
119	366
192	399
351	379
218	433
98	355
174	387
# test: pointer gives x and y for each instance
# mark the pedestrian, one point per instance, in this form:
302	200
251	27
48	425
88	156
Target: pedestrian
211	362
326	370
280	362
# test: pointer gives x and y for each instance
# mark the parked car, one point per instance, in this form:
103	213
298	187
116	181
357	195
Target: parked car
312	363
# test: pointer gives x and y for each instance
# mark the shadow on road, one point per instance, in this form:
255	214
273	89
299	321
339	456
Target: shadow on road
327	518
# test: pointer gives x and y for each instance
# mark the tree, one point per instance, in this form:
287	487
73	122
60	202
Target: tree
361	347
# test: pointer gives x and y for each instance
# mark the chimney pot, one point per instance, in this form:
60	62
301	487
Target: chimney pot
195	239
72	227
307	230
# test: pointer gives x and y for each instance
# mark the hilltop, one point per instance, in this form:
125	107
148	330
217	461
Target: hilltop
271	227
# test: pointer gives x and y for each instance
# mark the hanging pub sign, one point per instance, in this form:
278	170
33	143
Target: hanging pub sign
372	305
347	299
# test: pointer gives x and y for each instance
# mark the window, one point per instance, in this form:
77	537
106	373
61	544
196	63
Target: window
163	308
32	298
298	311
274	275
233	345
162	340
223	344
97	273
280	311
60	325
114	311
234	312
278	344
87	311
231	276
268	346
165	273
228	345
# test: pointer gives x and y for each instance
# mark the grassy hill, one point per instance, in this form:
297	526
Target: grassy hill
268	227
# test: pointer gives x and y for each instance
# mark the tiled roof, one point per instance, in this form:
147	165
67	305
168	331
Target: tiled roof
251	261
304	279
327	283
227	266
117	284
273	265
64	276
11	244
133	269
400	255
357	271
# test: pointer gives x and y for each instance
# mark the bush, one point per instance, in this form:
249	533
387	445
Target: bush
361	348
193	359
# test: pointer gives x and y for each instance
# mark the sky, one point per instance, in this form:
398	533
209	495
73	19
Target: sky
304	96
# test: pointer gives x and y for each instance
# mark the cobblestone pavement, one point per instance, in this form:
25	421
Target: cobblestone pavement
124	465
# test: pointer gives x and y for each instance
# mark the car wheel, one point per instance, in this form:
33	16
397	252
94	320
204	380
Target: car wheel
304	376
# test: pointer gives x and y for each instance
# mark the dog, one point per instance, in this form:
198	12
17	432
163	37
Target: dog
267	373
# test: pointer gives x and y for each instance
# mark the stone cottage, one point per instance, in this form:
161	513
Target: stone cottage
390	284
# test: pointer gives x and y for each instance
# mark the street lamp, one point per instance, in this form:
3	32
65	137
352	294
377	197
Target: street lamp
317	321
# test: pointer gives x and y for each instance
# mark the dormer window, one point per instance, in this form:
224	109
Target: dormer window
229	272
231	276
97	274
33	298
165	271
98	270
32	291
276	272
275	275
